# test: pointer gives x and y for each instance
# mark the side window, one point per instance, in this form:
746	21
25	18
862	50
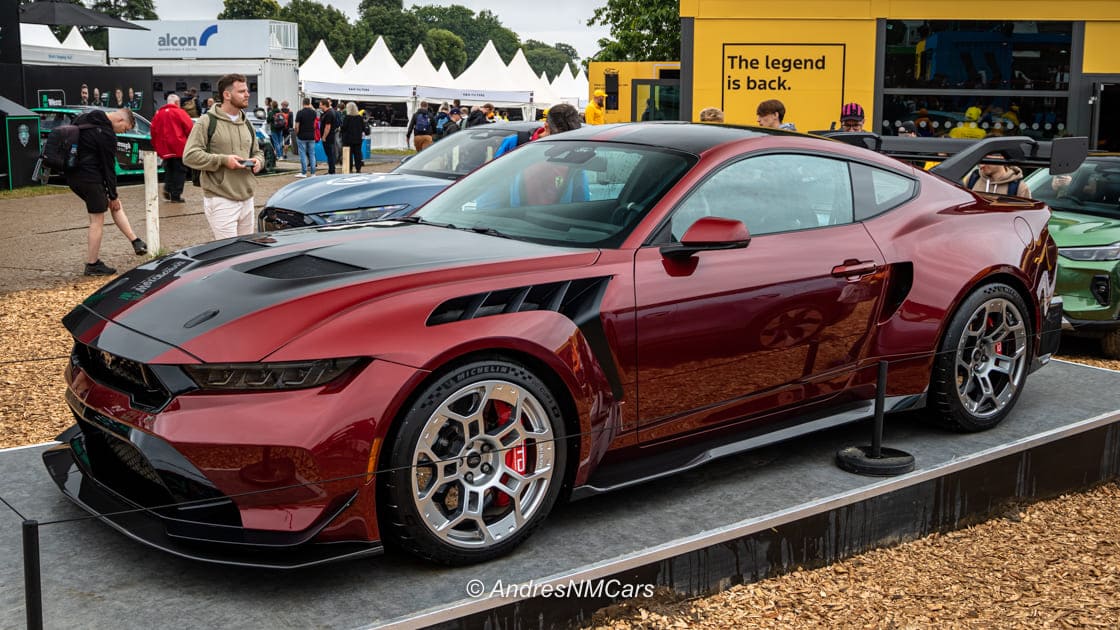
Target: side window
879	190
772	193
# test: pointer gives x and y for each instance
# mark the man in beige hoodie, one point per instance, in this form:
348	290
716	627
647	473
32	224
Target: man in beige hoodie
223	146
999	179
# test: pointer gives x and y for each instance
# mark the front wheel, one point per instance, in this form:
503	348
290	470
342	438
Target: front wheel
476	465
983	360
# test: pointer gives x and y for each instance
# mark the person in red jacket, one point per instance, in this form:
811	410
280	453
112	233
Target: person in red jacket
170	128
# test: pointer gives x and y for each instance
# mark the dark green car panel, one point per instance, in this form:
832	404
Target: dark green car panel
129	145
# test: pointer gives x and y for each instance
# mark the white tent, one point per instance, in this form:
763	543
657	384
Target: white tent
320	66
421	71
39	46
445	74
376	77
488	80
349	65
522	73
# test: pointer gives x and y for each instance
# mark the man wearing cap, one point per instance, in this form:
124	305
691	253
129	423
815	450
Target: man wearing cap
851	117
453	121
595	114
908	130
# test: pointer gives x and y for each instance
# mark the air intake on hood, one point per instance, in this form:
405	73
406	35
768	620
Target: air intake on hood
569	298
225	251
302	266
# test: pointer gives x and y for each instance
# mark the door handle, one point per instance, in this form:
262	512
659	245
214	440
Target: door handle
854	268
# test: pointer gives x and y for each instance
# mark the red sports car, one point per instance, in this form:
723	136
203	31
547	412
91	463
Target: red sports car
597	309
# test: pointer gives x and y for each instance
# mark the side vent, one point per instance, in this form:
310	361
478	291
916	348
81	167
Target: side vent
575	299
898	287
225	251
303	266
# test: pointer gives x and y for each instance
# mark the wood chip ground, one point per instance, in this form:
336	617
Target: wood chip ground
1053	564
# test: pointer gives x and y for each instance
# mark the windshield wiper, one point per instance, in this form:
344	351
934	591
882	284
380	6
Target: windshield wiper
487	231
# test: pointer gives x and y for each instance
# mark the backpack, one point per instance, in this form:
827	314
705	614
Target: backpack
60	150
441	120
1012	188
279	121
423	124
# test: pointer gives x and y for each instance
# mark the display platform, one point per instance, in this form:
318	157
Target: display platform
736	520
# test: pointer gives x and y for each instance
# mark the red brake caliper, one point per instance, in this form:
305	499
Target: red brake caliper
999	344
515	458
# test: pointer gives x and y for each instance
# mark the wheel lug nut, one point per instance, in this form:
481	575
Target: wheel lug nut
486	448
486	469
469	477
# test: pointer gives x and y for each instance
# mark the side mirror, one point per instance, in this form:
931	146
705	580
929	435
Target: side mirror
709	233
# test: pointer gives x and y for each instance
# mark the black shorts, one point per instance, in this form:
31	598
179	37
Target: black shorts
93	193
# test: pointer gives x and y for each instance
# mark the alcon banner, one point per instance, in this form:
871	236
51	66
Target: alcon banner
193	39
804	77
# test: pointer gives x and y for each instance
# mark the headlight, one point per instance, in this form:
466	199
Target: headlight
1108	252
360	214
269	376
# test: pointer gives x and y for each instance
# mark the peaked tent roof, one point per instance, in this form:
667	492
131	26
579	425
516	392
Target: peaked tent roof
445	74
489	80
420	69
37	35
349	65
320	66
379	67
75	41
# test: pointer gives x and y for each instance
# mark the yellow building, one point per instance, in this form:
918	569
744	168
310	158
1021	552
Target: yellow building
637	90
1039	68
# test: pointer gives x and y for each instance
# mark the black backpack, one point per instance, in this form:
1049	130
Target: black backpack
60	150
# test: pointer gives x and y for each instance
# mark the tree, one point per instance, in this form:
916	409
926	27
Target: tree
443	46
475	30
645	30
392	5
506	41
319	22
250	10
549	59
403	32
123	9
62	31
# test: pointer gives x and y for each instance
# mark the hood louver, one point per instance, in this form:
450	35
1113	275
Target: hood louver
571	298
303	266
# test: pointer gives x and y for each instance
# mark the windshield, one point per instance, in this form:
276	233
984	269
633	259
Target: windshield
1093	189
571	193
460	153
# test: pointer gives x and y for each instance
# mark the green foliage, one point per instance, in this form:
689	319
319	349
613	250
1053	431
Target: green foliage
250	10
402	31
443	46
127	9
392	5
550	59
475	30
642	30
316	22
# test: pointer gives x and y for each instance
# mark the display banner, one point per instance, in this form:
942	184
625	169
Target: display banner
807	78
62	85
193	39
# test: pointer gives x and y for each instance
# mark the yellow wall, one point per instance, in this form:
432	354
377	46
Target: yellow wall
627	71
832	29
1101	49
739	63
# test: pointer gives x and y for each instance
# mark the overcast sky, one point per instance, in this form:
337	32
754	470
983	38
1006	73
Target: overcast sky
549	22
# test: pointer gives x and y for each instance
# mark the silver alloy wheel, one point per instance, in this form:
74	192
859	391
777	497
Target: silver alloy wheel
483	464
991	358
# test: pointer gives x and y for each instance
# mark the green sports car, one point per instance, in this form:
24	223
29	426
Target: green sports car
1086	227
129	145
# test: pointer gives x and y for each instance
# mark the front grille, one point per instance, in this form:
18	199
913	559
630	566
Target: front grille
145	391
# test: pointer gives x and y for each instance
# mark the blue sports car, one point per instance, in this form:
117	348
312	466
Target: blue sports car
331	199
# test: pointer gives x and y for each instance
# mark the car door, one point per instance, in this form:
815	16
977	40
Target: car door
730	333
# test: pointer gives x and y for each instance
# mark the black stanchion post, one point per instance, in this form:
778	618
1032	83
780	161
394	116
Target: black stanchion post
874	459
32	581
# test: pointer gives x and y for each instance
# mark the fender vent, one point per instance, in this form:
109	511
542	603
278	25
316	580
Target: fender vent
575	299
303	266
899	283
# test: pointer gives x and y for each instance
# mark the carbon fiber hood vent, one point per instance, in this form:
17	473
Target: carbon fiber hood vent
574	299
303	266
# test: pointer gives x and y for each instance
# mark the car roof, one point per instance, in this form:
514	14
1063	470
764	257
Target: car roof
690	137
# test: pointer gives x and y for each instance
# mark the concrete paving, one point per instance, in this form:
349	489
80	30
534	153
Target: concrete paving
43	239
94	577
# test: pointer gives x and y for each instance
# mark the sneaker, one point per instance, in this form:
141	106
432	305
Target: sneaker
167	195
301	175
139	246
99	269
177	200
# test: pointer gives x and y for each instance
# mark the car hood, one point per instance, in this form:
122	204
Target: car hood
1072	229
238	300
329	193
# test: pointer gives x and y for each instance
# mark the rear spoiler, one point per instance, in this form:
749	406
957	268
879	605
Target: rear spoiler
959	156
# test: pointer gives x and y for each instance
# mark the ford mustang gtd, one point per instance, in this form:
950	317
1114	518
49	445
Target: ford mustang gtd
597	309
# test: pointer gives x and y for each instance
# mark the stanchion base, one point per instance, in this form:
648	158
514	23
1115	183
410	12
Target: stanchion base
891	461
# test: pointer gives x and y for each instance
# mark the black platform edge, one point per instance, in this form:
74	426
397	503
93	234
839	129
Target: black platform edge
953	495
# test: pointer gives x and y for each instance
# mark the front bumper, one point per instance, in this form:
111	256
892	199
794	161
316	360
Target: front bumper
204	528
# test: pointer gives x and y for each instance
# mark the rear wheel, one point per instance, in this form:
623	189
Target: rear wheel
983	360
476	466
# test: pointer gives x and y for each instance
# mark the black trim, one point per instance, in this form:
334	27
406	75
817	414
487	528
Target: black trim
1051	332
687	57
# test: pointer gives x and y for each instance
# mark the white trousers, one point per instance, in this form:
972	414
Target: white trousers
229	218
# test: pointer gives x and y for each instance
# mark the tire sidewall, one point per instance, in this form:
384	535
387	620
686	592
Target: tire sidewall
407	527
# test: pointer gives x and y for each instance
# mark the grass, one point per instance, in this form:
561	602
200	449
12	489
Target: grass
392	151
32	191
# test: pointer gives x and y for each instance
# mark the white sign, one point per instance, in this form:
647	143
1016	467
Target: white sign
193	39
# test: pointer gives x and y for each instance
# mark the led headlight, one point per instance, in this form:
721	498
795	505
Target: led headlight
268	376
360	214
1107	252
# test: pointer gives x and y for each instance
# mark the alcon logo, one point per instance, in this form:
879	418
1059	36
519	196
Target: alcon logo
188	41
